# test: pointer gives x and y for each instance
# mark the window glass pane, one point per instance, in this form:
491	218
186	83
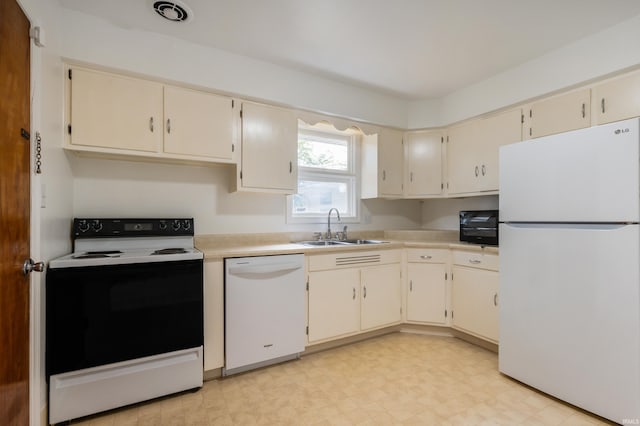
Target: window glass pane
316	197
332	155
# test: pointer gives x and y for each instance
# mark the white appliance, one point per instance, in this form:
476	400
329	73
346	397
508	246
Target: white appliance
264	311
569	267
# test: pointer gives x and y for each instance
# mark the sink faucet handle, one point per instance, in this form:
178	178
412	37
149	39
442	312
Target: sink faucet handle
317	235
344	232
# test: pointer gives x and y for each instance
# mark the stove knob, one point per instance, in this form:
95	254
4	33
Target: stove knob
186	225
176	225
163	225
83	226
97	226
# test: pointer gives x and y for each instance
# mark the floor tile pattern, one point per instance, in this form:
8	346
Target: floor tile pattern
396	379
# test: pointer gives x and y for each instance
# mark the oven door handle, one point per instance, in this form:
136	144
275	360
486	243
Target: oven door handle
280	268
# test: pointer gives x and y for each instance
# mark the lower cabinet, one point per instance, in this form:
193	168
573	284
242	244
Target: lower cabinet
475	294
427	292
353	292
213	314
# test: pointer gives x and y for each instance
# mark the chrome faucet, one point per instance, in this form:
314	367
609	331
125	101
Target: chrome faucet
328	236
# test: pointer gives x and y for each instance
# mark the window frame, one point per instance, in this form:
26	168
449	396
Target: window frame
349	176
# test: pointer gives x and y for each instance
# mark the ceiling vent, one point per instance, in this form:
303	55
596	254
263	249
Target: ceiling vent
173	11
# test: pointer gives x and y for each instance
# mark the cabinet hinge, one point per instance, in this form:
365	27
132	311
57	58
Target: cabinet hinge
241	174
400	310
522	118
233	103
445	276
307	330
451	314
447	185
530	131
69	74
445	313
441	139
447	139
69	128
233	148
240	113
442	186
307	284
452	276
530	113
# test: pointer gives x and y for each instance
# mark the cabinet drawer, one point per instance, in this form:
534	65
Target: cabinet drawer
428	255
353	259
476	260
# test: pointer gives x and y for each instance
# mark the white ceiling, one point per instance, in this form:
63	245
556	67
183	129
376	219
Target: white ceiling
413	49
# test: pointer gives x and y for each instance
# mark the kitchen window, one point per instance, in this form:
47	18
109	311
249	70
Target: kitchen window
326	176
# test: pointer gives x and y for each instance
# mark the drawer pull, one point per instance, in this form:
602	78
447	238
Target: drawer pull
426	257
475	261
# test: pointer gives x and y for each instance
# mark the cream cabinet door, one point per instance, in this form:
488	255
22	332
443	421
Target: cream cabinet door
213	314
269	149
109	111
427	293
381	296
475	301
334	303
382	164
464	153
197	123
558	114
423	154
617	99
500	129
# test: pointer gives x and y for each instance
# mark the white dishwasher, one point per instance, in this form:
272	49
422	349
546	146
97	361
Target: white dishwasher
264	311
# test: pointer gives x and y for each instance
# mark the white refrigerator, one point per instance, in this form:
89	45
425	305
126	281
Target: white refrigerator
569	267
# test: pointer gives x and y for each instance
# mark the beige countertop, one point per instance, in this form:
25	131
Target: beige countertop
218	246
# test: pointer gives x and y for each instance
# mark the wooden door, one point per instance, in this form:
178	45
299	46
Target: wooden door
14	214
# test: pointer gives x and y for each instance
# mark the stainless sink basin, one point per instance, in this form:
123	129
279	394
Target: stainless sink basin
317	243
364	241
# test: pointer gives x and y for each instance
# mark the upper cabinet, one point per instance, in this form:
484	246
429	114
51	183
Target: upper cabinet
472	152
382	164
423	164
617	99
269	157
119	115
558	114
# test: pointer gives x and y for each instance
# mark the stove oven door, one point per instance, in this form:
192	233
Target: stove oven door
99	315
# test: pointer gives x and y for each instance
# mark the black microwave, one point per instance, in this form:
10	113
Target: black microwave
479	227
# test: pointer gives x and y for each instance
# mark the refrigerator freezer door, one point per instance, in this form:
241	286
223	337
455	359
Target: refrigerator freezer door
588	175
569	313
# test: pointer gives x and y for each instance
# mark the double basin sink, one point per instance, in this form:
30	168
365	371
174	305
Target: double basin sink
323	243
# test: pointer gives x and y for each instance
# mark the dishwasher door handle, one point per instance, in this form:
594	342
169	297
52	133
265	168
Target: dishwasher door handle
264	269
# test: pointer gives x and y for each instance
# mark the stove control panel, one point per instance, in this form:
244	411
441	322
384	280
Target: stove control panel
97	228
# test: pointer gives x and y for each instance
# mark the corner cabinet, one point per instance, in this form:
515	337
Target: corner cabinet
427	289
124	116
472	152
269	150
382	164
353	292
423	160
475	294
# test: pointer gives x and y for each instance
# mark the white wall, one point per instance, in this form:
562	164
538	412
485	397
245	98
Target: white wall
609	51
113	188
443	214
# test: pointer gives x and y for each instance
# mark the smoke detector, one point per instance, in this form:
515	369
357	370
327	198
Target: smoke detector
173	10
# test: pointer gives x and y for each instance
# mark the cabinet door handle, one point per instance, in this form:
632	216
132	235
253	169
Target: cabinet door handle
484	170
364	292
602	105
290	167
477	171
475	261
384	175
168	125
151	124
411	177
354	293
410	285
425	257
495	299
584	111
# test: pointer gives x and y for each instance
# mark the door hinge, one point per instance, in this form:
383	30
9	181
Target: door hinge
441	139
69	128
521	118
445	313
69	74
25	134
233	103
307	284
240	174
530	113
307	330
240	113
233	148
